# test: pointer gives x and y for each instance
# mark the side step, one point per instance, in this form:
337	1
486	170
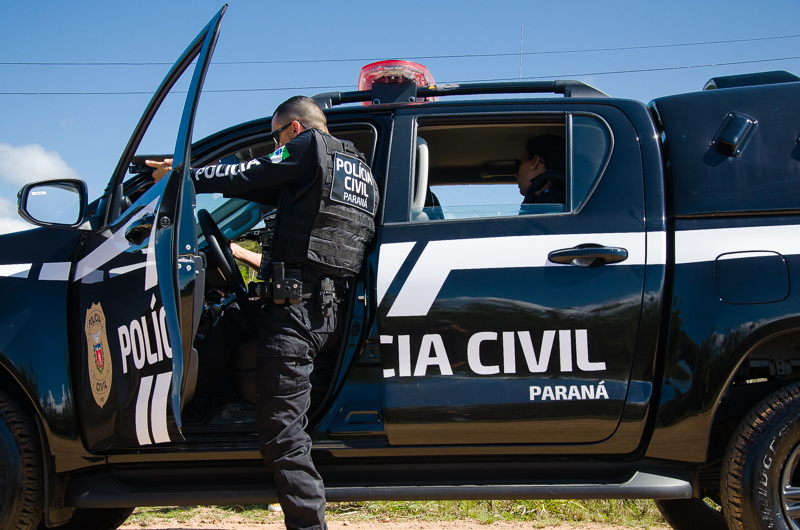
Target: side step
106	491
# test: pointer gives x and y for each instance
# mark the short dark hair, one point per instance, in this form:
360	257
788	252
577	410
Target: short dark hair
303	109
551	149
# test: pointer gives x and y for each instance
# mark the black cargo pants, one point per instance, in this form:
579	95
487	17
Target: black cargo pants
290	336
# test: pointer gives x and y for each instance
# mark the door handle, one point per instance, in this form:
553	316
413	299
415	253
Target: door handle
140	229
588	255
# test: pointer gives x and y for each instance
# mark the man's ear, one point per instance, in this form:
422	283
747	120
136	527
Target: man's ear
297	128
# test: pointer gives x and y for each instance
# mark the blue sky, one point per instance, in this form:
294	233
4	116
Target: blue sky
48	136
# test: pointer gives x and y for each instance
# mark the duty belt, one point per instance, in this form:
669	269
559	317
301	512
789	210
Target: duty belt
286	285
291	290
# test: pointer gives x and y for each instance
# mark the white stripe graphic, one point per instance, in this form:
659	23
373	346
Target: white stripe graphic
112	247
124	270
441	257
19	270
55	271
694	246
390	258
142	406
151	274
158	413
387	372
656	248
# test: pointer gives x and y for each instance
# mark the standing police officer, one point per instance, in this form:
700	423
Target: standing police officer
327	200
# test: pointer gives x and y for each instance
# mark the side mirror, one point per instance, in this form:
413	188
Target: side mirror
53	202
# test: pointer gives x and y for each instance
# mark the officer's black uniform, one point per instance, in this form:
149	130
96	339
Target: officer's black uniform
327	201
555	194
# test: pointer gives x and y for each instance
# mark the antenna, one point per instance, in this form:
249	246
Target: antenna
520	52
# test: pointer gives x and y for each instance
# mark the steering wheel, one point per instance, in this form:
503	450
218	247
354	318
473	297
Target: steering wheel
221	252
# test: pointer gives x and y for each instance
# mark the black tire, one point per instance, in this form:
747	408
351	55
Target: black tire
95	518
21	484
690	514
760	474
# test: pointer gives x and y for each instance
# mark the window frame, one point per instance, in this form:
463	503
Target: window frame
511	117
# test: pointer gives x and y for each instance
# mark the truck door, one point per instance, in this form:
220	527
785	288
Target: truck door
135	286
504	323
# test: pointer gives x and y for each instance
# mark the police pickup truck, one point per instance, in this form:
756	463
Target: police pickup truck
639	340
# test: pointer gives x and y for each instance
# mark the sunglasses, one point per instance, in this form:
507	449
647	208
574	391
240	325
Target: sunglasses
276	134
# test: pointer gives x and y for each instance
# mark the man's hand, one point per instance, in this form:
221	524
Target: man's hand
161	168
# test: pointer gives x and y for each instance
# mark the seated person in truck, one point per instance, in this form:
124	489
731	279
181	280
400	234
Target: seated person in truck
541	170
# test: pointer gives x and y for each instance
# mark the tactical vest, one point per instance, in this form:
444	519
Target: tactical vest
327	226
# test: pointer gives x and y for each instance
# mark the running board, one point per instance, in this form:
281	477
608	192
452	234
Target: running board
108	492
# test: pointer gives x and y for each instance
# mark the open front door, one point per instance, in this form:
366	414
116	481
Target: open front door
138	284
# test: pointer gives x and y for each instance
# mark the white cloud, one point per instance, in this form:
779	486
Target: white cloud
10	221
29	163
8	225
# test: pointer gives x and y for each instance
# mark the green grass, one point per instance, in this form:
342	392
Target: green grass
628	512
638	513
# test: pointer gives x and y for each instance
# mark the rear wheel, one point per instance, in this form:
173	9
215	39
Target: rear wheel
21	484
761	475
690	514
95	518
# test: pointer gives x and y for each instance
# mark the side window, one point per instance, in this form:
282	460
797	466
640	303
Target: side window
591	145
466	170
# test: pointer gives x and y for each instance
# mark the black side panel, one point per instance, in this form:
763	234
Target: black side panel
764	177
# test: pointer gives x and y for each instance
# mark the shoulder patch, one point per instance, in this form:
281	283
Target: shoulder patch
280	154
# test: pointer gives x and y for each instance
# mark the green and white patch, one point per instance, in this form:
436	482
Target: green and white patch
279	155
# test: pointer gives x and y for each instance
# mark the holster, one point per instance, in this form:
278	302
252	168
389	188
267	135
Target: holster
285	285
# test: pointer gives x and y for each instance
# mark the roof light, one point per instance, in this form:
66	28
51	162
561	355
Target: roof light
394	71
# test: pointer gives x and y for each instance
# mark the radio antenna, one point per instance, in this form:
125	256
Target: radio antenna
520	52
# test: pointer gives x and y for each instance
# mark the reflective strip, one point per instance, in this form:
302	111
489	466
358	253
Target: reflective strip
55	271
142	402
158	411
19	270
695	246
441	257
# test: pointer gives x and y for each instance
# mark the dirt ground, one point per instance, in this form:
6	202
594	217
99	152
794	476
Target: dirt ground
274	521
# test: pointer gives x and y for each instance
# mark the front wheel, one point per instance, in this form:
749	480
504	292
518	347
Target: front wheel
21	483
761	475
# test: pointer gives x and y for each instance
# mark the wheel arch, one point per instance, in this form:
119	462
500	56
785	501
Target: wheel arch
12	382
763	369
697	379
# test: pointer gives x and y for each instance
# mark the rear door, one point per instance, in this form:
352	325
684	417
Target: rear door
135	284
501	323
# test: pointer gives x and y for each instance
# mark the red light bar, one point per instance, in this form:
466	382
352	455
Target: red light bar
394	71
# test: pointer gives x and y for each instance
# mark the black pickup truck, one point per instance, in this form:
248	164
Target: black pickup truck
639	340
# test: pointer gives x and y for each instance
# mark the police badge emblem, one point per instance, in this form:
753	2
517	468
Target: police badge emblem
100	377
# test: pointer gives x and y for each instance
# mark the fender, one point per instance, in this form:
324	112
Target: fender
35	272
708	341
